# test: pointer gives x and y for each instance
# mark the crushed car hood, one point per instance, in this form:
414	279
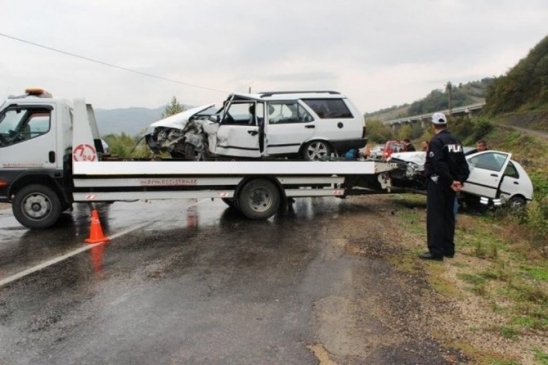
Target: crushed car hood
417	157
179	120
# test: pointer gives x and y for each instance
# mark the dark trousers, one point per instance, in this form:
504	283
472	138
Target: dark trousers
440	219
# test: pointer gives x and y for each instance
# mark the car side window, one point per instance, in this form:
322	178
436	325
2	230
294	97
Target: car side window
244	114
489	161
18	125
511	170
287	112
329	108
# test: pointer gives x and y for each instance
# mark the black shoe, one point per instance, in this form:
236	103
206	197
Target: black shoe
449	255
429	256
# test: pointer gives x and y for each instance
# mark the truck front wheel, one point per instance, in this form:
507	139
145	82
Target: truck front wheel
36	206
259	199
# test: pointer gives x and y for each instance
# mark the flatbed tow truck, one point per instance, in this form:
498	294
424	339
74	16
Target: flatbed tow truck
51	156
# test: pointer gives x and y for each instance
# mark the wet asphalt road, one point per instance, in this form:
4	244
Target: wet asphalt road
192	282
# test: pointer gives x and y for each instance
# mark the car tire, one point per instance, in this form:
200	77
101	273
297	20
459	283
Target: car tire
192	153
316	150
517	202
37	206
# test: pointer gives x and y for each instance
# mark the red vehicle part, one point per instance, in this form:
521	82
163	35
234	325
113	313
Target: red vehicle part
391	147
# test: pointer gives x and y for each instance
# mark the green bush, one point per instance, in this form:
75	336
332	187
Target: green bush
462	128
540	183
482	127
125	146
537	219
535	215
378	132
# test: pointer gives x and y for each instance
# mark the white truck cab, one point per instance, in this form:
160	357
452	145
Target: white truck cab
33	133
36	143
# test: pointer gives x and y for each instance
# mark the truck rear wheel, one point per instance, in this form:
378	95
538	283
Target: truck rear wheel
259	199
36	206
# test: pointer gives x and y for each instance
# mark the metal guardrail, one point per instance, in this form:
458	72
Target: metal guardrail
418	118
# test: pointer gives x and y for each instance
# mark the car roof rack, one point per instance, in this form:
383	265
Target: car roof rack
270	93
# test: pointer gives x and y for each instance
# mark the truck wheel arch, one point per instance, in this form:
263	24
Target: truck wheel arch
37	206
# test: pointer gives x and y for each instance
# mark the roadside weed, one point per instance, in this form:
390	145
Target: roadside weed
541	357
509	332
537	273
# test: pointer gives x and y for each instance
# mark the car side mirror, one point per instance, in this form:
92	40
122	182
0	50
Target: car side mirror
215	118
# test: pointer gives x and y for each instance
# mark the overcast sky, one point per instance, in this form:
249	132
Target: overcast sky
379	53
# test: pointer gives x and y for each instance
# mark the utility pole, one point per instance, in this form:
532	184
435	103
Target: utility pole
449	90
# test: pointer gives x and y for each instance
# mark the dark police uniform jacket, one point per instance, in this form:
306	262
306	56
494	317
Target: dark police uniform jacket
445	161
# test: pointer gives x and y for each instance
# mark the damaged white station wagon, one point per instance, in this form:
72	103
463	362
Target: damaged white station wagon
310	125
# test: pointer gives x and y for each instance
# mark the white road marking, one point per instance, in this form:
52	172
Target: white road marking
58	259
87	247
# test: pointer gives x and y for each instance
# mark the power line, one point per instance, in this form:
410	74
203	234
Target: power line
110	64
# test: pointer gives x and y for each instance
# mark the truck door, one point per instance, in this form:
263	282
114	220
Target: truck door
28	138
486	173
241	132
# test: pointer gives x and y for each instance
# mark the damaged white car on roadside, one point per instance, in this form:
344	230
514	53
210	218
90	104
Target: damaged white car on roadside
494	176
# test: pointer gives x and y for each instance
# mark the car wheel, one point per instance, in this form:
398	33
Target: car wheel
316	150
517	202
37	206
192	153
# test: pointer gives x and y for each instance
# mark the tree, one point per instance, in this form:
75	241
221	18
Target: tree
404	131
377	132
172	108
449	91
524	86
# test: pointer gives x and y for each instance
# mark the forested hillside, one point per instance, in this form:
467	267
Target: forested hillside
130	121
524	87
459	95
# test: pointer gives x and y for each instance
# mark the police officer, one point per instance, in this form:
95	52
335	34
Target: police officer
446	170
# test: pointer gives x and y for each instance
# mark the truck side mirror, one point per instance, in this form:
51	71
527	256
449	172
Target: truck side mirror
215	118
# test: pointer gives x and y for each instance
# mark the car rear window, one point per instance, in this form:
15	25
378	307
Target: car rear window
329	108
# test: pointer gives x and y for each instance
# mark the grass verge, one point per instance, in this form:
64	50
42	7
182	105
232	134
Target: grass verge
501	268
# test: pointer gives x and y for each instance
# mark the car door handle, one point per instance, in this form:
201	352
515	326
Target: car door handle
253	133
310	126
494	175
516	183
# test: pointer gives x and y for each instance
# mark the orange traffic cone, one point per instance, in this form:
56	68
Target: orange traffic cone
97	256
96	232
